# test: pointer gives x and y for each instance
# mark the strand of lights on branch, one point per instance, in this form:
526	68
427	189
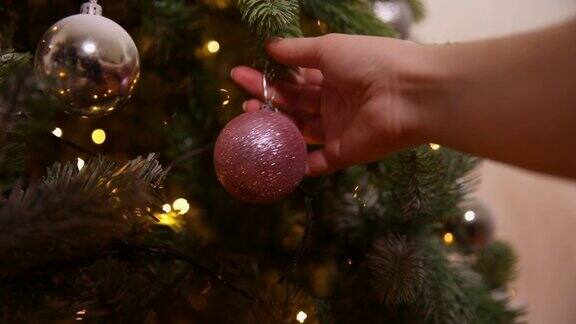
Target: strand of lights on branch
172	212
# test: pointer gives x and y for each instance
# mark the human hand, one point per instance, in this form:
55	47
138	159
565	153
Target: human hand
359	96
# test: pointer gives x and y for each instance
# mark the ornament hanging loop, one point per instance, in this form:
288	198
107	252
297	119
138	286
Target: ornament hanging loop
91	8
269	96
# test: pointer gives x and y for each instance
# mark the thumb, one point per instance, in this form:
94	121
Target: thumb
304	52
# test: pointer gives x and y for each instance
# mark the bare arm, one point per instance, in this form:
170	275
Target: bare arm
511	99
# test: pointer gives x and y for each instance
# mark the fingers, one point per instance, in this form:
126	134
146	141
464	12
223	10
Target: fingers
304	52
319	163
251	105
292	98
313	130
310	77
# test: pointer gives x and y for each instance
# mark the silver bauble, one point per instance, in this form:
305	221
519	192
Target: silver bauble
89	62
396	13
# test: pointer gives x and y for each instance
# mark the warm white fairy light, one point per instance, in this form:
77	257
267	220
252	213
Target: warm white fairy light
213	46
80	164
301	316
470	216
181	205
166	208
98	136
57	132
448	238
435	146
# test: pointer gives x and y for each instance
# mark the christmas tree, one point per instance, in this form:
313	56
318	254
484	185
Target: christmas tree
95	227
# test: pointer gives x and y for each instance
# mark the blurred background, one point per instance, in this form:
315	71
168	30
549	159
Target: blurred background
535	213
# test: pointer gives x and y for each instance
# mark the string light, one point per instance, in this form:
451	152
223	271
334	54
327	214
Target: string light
181	205
79	314
356	192
470	216
434	146
80	164
448	238
98	136
166	208
322	26
301	316
225	95
57	132
168	219
213	46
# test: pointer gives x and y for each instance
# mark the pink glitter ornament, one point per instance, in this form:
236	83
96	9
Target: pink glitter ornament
260	157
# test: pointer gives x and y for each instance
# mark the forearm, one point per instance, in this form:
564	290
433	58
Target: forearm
511	99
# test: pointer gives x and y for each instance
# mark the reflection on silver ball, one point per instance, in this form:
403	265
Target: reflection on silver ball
88	62
396	13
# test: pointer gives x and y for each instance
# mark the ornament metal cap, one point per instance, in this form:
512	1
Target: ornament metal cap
91	8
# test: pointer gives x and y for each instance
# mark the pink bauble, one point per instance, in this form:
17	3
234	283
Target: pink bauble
260	156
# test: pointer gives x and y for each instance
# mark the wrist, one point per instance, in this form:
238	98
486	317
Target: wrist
432	87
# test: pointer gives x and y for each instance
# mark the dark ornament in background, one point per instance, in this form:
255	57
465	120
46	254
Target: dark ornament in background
475	226
396	13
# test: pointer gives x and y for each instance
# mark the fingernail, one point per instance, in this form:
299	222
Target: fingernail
244	105
232	72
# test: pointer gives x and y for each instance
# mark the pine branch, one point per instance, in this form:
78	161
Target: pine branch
271	18
397	270
497	264
281	302
418	9
443	299
72	212
348	16
10	61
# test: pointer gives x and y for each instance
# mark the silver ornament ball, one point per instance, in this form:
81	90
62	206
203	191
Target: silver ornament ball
396	13
89	63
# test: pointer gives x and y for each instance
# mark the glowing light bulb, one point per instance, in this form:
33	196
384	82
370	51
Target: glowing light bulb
225	96
89	47
435	147
181	205
301	316
469	216
57	132
213	46
166	208
98	136
80	164
448	238
79	315
62	74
